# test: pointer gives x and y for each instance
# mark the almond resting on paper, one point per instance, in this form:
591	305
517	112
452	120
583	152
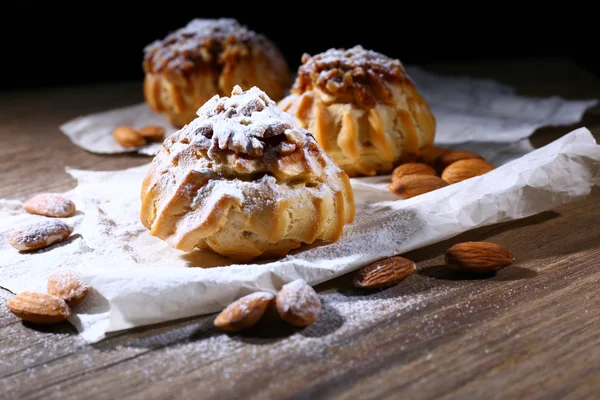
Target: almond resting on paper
39	308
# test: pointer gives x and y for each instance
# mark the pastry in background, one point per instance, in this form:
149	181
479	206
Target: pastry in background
362	108
244	181
208	57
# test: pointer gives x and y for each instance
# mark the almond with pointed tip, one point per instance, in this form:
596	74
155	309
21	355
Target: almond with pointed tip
39	308
298	303
244	313
126	136
384	273
478	257
413	185
412	169
153	133
50	205
69	286
447	158
39	234
464	169
429	154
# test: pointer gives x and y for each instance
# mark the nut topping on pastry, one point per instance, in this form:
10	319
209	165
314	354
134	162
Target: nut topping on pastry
363	109
243	180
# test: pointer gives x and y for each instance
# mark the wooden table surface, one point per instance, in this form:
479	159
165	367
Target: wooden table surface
531	331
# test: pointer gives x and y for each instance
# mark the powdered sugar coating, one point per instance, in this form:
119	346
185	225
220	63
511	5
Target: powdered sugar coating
68	285
364	72
39	234
242	123
50	205
203	42
298	303
243	180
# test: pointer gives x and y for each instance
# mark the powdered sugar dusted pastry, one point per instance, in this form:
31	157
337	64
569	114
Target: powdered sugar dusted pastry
243	180
208	57
362	108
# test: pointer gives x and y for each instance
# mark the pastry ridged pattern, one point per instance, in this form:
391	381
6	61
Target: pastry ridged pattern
208	57
362	108
244	181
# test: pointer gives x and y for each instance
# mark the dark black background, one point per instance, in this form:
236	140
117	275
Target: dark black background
48	44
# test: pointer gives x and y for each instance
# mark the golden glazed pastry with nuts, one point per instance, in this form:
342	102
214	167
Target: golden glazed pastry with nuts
362	108
244	181
208	57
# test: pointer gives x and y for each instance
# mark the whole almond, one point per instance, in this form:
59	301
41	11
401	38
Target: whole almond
481	257
128	137
69	286
413	185
445	159
464	169
50	205
153	133
39	234
429	154
245	312
384	273
298	303
412	169
39	308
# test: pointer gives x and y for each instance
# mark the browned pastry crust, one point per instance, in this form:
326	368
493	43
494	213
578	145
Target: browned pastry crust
363	109
244	181
208	57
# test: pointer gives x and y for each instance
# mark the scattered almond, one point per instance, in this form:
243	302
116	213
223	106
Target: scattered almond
429	154
384	273
69	286
245	312
50	205
445	159
39	234
413	185
128	137
153	133
298	303
39	308
478	257
464	169
412	169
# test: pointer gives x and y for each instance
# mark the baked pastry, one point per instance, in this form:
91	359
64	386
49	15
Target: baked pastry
208	57
362	108
245	182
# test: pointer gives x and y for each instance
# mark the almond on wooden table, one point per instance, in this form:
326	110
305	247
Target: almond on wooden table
464	169
50	205
126	136
153	133
69	286
39	308
384	273
245	312
412	169
39	234
445	159
298	303
413	185
483	257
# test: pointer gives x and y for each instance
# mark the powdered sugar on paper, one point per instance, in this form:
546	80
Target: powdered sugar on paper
137	279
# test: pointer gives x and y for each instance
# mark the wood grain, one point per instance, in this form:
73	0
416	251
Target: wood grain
530	331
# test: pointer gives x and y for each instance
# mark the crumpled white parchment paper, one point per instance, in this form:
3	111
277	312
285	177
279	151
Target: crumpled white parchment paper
137	280
468	111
